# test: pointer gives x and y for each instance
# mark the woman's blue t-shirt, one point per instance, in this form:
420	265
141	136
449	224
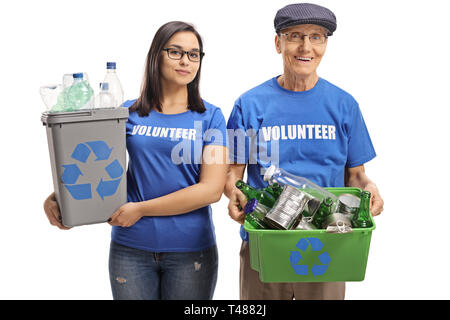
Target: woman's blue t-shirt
165	152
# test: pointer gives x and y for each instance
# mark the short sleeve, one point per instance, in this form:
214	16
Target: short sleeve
216	134
128	103
360	148
237	137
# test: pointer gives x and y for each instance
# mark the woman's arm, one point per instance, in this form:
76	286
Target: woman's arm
208	190
356	177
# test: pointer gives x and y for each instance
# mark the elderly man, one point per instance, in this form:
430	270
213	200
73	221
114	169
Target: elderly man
315	127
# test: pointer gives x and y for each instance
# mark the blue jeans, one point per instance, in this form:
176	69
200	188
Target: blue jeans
142	275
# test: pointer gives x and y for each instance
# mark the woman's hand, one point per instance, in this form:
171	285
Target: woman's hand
52	211
127	215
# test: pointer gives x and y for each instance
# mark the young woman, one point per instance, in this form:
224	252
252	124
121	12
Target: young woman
163	243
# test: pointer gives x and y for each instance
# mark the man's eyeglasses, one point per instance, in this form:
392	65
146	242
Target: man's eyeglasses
314	38
177	54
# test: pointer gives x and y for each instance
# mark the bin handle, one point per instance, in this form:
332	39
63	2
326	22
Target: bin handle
72	114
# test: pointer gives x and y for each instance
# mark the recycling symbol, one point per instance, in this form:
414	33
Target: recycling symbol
312	249
72	172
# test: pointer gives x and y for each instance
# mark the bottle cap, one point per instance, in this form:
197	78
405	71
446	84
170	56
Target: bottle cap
78	75
250	206
269	172
110	65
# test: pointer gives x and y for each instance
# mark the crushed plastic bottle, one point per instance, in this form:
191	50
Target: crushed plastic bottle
75	96
50	95
79	94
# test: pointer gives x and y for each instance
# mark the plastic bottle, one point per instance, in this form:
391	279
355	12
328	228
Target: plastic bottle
50	94
282	177
277	175
67	82
79	94
115	87
104	99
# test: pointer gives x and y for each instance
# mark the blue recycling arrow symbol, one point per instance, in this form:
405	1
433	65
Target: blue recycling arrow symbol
296	259
81	153
80	191
101	149
72	171
107	188
114	169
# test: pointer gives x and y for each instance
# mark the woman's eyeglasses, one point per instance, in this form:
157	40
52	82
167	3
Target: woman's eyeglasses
177	54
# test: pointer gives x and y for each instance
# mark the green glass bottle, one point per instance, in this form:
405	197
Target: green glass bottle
325	209
362	219
261	195
255	213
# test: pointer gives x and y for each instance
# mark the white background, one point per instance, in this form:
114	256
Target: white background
392	56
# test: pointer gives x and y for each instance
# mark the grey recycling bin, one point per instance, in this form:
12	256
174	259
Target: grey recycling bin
88	160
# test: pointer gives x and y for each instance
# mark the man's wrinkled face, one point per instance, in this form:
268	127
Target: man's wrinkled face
303	53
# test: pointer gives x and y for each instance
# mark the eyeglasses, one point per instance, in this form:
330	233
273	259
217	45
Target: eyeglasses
298	37
177	54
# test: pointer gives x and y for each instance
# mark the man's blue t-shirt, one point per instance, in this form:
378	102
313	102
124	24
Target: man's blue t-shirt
165	153
315	134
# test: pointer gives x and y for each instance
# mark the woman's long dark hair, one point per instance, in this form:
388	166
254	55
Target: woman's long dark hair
151	93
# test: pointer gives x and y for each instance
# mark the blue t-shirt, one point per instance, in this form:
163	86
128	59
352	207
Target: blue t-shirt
165	153
318	133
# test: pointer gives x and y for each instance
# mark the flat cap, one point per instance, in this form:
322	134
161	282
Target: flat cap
305	13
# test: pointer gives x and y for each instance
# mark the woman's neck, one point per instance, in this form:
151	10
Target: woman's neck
174	99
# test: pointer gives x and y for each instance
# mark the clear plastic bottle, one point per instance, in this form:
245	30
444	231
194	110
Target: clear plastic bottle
115	87
79	94
49	95
104	99
282	177
328	201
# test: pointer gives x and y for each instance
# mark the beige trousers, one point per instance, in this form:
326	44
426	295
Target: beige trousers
251	288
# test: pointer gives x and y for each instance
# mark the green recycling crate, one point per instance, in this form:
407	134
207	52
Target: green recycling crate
310	255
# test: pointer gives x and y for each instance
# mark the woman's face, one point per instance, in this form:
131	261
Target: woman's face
301	58
183	71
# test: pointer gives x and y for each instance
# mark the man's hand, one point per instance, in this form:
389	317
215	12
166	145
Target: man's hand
237	199
356	177
376	202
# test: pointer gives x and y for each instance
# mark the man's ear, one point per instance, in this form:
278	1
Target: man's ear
278	43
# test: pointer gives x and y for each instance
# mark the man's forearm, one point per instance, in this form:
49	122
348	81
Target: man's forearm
360	181
356	177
